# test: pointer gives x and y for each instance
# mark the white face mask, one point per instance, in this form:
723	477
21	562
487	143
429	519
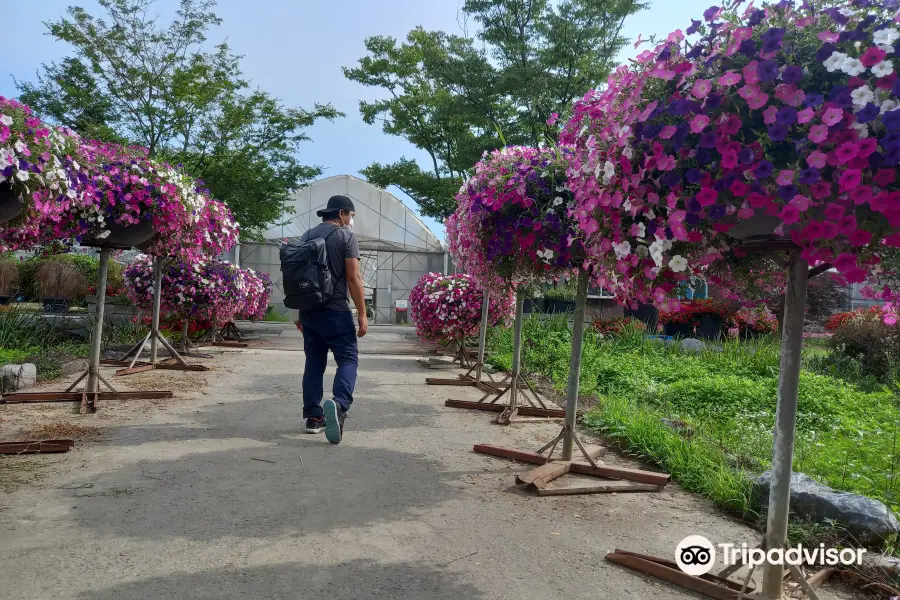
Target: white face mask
350	225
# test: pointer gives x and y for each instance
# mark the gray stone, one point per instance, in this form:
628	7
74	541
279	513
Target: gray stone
693	345
17	377
868	520
74	367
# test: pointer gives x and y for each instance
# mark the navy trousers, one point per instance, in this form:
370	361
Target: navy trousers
325	330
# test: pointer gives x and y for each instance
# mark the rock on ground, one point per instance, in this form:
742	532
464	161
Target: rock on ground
17	377
866	519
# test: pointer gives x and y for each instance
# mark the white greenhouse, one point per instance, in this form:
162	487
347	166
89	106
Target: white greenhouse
396	248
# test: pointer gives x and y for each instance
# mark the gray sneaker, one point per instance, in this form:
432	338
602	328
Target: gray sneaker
334	421
314	425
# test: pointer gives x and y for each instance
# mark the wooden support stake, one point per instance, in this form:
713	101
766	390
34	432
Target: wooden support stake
559	488
676	576
544	474
525	411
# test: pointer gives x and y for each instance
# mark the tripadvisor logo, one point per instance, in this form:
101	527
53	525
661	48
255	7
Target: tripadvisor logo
696	555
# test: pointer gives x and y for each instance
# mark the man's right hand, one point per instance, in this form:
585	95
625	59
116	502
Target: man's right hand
363	321
299	325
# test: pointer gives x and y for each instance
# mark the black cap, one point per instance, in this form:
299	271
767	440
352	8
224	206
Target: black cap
337	204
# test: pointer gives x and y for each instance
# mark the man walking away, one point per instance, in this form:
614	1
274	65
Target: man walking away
330	326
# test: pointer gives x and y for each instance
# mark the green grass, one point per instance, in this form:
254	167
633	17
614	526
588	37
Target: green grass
275	316
724	403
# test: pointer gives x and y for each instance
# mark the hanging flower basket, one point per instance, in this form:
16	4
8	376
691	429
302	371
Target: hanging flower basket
645	313
10	204
122	237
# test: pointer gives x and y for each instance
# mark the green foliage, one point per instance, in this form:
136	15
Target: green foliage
87	266
276	316
455	97
867	344
132	79
708	417
15	356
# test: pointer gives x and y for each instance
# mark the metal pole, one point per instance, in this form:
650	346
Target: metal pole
185	341
237	254
785	420
575	367
482	333
157	297
517	351
446	264
93	379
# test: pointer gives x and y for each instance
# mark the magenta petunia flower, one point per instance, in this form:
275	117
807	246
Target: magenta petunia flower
872	56
699	123
702	88
728	79
789	214
818	133
849	179
832	116
707	196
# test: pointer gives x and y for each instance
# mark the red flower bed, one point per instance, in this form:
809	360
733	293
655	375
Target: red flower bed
836	320
615	327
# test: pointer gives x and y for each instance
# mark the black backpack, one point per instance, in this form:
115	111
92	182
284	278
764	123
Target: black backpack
305	274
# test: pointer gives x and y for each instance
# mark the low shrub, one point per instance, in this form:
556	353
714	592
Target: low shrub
617	326
87	266
863	336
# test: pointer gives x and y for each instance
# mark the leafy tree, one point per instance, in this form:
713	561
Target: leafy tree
134	79
454	99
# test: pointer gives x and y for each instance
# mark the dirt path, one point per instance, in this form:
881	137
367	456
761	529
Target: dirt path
218	495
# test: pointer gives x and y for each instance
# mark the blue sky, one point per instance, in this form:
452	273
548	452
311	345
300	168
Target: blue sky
295	49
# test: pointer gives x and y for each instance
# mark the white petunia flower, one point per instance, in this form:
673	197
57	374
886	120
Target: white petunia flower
886	37
628	152
557	201
5	120
862	129
853	67
19	146
609	169
834	62
862	96
677	263
622	249
23	175
888	105
883	69
642	229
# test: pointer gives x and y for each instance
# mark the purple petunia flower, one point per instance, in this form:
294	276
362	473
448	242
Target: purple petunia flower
746	156
809	176
716	212
778	132
891	119
672	178
814	100
768	70
786	116
692	218
787	192
705	155
840	95
756	17
771	45
708	140
792	74
868	113
747	48
695	52
710	13
891	141
825	52
763	169
713	101
693	176
694	28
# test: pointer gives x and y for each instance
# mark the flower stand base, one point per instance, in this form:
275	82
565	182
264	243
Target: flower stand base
10	205
90	394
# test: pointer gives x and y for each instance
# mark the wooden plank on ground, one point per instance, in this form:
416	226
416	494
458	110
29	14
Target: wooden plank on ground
525	411
456	382
526	456
636	475
35	447
541	476
580	486
672	564
679	578
76	396
133	370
